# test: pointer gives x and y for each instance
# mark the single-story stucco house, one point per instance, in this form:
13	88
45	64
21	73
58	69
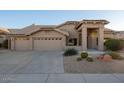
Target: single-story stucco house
83	35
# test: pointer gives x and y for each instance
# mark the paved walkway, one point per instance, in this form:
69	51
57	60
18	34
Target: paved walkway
62	78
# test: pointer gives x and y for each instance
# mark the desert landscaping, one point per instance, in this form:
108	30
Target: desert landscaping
111	60
71	65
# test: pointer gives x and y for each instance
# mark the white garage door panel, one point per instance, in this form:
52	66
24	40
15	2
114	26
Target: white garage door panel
48	44
22	44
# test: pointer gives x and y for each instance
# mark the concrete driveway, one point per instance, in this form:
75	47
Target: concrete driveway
44	67
31	62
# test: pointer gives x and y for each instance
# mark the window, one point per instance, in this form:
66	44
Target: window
25	38
52	38
45	38
72	42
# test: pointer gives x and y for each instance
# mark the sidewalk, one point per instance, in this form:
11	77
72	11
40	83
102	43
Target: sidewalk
62	78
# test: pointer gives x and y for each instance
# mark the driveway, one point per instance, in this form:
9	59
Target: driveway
31	62
44	67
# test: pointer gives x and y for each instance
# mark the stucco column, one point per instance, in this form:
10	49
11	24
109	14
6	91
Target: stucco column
31	43
84	38
8	43
101	38
12	43
64	42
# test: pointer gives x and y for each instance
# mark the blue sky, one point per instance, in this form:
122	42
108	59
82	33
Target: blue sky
21	18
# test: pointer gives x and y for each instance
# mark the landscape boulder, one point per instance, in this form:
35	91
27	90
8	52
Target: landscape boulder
107	58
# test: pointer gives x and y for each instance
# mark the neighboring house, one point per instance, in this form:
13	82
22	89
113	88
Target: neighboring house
3	35
119	35
83	35
108	33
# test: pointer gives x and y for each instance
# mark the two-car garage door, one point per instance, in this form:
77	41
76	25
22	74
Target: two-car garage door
40	43
48	43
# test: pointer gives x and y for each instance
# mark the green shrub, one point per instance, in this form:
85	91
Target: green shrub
115	55
122	44
79	58
113	44
84	55
89	59
70	52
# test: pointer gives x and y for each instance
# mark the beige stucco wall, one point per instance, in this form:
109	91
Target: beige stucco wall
70	28
12	43
47	34
119	35
109	35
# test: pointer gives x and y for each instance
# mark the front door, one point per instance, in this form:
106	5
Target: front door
92	40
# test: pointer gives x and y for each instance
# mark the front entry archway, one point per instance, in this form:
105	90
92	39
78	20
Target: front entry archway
92	38
97	42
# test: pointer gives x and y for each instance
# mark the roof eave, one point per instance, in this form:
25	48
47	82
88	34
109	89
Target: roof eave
63	32
93	21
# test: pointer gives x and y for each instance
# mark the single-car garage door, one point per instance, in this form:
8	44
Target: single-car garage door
22	44
48	43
